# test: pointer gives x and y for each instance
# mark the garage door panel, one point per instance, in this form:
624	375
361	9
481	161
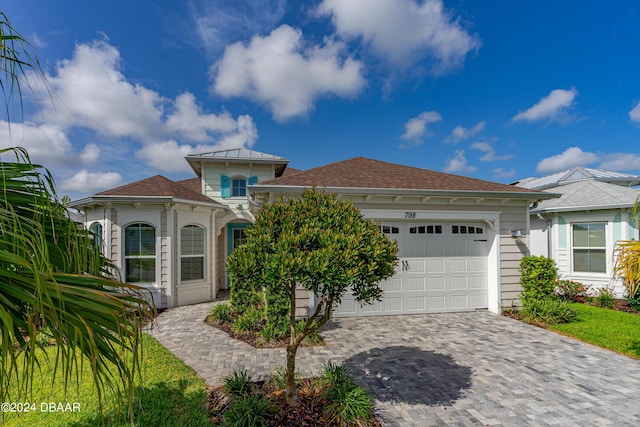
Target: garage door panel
393	305
458	265
436	283
436	272
416	266
437	265
416	304
436	303
416	284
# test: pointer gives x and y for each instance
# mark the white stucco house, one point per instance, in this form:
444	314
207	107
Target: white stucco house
579	230
460	239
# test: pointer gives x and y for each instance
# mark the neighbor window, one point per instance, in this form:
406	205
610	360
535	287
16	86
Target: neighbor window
589	247
192	253
140	253
238	187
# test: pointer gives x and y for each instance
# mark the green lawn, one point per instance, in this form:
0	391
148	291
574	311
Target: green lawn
170	395
610	329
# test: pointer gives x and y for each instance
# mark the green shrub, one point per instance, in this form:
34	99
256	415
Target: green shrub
538	276
547	311
351	409
571	290
222	312
313	338
604	298
249	411
277	308
251	320
634	302
243	297
348	403
277	381
238	384
269	334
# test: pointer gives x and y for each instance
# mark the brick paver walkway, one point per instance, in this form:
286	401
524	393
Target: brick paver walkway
440	369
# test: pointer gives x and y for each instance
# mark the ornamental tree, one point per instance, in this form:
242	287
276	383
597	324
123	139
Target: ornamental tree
317	243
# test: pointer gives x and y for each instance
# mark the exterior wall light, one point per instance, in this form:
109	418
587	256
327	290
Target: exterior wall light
517	234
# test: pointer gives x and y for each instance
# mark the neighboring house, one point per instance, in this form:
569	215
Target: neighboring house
455	233
579	230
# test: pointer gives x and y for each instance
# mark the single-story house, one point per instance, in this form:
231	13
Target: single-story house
579	230
460	239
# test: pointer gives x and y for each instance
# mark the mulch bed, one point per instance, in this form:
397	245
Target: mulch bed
308	413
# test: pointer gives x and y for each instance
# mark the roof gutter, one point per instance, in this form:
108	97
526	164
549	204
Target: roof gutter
258	188
583	208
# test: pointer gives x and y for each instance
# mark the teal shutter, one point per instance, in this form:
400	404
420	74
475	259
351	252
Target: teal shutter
225	186
253	180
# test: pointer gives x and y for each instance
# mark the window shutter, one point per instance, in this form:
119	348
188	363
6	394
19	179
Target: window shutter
225	186
253	180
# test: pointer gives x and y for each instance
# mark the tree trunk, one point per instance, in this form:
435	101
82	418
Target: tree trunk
291	388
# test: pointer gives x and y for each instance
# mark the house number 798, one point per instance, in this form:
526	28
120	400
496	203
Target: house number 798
411	214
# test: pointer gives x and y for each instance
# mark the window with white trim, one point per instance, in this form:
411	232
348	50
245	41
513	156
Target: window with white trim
140	253
238	187
192	244
589	247
96	234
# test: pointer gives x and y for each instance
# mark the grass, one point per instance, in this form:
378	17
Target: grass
610	329
171	394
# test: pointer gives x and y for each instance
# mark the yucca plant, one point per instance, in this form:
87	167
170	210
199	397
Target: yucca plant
52	275
627	265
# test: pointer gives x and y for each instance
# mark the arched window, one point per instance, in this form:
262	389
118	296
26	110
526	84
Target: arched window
238	187
96	231
140	253
192	244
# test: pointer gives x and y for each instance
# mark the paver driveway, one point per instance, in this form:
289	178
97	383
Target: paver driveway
440	369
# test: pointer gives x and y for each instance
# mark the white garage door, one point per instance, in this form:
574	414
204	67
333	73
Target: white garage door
442	267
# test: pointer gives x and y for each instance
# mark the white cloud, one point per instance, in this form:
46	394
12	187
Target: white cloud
85	181
502	173
416	128
490	155
550	107
620	162
460	133
47	144
223	22
569	158
190	123
404	31
458	164
279	71
90	91
634	114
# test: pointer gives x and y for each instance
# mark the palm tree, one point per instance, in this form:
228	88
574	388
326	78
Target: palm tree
53	278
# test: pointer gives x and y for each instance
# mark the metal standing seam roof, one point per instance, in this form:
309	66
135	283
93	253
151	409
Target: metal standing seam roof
577	174
239	154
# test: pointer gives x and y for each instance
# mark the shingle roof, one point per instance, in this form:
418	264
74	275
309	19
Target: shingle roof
361	172
158	186
589	194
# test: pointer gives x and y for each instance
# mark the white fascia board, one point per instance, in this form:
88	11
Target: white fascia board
258	188
92	200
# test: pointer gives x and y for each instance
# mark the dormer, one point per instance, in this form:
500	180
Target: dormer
225	174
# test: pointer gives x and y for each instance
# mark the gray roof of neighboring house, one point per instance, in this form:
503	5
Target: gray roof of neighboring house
237	155
579	174
588	195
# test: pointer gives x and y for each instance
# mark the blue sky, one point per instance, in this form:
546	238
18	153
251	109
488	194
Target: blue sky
497	90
